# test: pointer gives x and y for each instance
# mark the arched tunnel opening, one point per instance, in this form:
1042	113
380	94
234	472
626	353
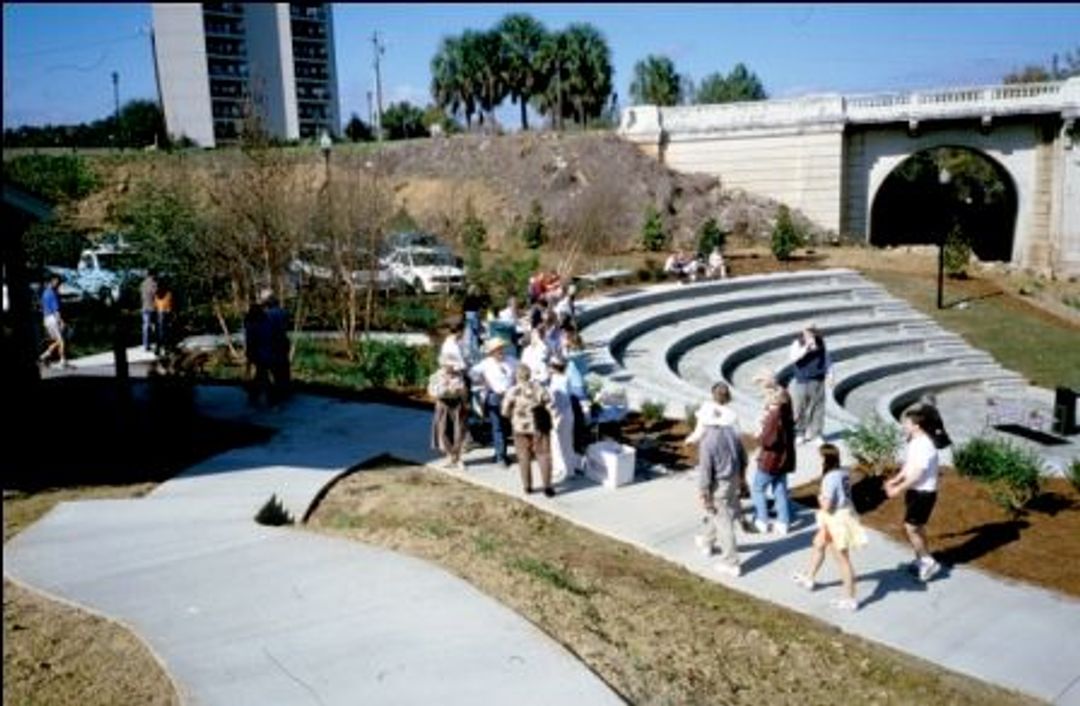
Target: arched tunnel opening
947	190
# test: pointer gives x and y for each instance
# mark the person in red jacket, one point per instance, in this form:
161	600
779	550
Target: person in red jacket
776	460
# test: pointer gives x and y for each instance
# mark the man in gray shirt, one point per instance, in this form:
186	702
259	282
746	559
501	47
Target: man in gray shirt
721	463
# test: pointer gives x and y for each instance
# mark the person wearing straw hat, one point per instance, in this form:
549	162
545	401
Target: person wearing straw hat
447	388
495	374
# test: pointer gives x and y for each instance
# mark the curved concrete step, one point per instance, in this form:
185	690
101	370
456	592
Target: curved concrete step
610	305
651	354
763	347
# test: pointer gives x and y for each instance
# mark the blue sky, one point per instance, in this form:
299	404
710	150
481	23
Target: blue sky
58	58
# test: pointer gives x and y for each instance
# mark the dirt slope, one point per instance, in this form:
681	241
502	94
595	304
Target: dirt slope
591	186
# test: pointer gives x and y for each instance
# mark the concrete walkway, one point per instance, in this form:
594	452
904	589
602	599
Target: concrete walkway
1015	635
242	614
245	614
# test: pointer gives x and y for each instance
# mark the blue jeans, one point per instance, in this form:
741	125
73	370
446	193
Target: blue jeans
498	426
781	503
148	318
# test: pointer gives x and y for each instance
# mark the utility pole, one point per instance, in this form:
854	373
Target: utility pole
378	49
116	100
370	111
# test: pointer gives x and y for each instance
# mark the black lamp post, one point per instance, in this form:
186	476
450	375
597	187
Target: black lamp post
944	177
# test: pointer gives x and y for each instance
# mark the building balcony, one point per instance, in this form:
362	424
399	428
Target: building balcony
223	9
307	13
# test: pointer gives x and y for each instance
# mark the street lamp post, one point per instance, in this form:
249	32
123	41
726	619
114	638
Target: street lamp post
325	143
944	177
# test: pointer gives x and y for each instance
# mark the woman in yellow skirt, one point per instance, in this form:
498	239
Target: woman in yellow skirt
838	527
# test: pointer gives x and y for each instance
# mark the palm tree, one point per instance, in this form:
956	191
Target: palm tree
451	87
656	82
551	63
522	39
588	60
486	59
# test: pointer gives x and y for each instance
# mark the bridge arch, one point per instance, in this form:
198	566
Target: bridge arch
911	206
1013	150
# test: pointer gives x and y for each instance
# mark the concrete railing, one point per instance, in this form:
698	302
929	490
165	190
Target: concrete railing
648	122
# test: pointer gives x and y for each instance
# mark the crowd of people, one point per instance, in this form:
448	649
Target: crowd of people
790	421
520	372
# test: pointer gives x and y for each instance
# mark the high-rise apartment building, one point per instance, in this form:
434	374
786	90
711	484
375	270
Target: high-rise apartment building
217	60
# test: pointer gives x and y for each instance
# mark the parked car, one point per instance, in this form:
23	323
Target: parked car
425	269
411	239
106	272
314	262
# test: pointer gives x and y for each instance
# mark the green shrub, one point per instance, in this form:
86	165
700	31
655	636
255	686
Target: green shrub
273	513
1013	473
533	233
653	236
1073	473
875	444
652	412
390	364
60	178
785	236
957	253
473	230
710	236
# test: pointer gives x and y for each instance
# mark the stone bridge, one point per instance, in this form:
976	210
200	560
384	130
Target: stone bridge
828	155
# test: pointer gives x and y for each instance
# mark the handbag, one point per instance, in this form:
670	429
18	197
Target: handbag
542	419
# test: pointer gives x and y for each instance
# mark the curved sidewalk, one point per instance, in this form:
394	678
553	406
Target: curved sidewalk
1011	634
245	614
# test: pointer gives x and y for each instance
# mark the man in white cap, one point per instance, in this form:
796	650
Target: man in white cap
722	461
495	373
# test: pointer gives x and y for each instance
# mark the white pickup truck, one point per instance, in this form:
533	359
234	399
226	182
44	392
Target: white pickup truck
105	271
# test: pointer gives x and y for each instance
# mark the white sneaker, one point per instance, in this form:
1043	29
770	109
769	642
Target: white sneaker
803	580
780	529
928	570
846	604
703	544
733	570
761	527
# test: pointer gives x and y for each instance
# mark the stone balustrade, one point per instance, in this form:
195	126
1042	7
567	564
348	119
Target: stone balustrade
1060	97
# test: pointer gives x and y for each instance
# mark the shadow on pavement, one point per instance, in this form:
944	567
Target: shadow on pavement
86	431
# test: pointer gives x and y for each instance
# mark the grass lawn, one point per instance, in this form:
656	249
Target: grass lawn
1042	347
657	633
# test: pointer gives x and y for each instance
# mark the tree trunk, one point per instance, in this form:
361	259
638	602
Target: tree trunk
524	117
225	330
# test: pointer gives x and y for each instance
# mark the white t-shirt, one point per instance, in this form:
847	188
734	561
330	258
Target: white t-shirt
922	460
495	376
451	348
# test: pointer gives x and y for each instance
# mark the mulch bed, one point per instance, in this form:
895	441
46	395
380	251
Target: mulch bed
1039	546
